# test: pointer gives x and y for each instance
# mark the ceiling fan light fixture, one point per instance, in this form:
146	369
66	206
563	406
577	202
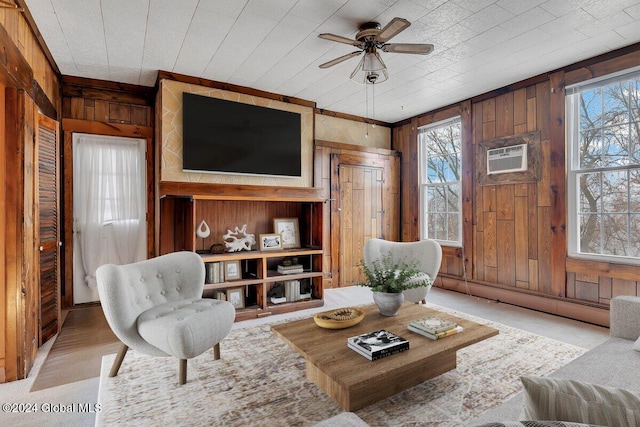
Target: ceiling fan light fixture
372	62
370	69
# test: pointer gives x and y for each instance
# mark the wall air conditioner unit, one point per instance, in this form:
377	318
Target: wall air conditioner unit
507	159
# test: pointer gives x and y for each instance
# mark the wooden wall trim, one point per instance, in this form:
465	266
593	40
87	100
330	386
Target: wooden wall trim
70	126
596	314
43	102
610	62
354	147
438	115
168	75
241	192
14	68
603	268
354	118
468	181
103	128
558	184
79	87
14	309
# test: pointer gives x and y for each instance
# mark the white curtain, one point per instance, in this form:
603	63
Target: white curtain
109	201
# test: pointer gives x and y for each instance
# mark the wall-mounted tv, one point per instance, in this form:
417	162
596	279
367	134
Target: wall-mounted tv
231	137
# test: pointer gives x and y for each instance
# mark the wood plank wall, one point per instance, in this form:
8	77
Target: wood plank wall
26	78
107	102
15	32
516	237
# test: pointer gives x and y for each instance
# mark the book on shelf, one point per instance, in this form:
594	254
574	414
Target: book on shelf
292	290
377	344
438	335
215	272
278	300
433	325
290	269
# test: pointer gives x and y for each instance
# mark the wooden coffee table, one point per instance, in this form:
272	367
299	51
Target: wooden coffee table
355	382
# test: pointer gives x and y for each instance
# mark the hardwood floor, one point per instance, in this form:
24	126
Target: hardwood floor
77	351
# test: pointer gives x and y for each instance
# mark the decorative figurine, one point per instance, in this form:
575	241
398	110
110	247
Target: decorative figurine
203	232
236	244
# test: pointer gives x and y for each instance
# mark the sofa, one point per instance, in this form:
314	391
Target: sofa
613	364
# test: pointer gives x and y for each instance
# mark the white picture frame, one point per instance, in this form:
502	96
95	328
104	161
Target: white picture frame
232	271
236	297
289	229
270	242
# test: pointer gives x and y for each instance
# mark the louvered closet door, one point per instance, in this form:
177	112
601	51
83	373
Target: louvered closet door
48	195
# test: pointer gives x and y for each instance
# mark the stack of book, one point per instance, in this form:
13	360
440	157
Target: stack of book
215	272
292	290
434	327
290	269
378	344
221	295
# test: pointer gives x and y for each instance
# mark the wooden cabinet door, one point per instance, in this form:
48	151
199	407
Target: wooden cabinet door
48	227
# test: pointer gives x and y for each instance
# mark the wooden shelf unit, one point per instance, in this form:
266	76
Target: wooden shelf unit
184	205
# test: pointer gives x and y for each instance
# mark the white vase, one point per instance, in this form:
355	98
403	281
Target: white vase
388	303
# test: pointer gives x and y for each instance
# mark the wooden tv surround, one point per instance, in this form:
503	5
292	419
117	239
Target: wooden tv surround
184	205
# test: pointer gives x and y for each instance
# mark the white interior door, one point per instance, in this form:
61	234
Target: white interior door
109	207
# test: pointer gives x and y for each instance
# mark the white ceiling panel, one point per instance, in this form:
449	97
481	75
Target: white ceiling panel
272	45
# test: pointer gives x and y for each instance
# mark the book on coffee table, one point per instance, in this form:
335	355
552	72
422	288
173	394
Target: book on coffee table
377	344
437	335
432	325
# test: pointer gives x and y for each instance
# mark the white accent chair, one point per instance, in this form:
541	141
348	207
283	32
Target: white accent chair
156	308
427	254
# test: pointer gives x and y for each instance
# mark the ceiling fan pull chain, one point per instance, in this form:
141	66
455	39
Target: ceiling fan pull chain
373	104
366	108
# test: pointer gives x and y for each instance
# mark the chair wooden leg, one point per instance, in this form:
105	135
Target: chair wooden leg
119	358
216	351
182	372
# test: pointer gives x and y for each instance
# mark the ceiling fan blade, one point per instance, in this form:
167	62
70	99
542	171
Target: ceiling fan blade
392	29
340	39
419	49
340	59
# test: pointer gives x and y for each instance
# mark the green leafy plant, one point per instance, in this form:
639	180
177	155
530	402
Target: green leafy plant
388	276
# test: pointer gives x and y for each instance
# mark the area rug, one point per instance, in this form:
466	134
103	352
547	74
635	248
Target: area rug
260	381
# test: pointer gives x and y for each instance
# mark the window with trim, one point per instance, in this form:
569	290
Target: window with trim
603	124
439	147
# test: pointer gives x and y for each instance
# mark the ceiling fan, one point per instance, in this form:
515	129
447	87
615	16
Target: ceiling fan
369	40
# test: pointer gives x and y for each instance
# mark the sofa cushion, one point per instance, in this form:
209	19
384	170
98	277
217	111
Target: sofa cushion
636	345
537	424
568	400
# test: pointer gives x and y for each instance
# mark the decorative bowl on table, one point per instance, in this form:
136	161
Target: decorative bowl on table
339	318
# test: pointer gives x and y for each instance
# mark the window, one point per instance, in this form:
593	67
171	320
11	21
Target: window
440	181
603	119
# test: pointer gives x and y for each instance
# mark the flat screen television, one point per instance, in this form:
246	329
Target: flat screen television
231	137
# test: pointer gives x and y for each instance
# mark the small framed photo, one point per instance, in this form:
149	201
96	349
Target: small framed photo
269	242
232	270
289	230
236	297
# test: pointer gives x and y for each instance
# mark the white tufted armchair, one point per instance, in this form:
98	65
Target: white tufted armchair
156	307
427	254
